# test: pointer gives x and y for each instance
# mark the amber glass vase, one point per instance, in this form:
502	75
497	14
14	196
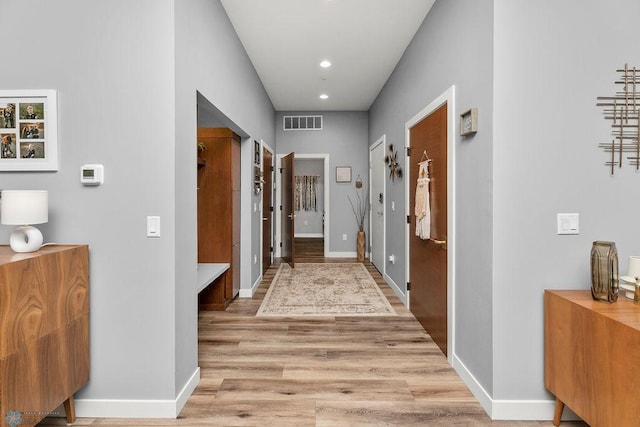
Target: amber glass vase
604	271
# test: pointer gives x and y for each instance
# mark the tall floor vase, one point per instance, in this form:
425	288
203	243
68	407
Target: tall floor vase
361	245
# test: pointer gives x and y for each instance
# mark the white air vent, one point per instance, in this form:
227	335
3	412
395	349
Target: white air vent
302	122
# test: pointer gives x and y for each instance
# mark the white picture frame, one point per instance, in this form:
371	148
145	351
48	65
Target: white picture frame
343	173
28	130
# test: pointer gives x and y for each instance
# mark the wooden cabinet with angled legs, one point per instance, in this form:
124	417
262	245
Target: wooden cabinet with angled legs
589	357
44	331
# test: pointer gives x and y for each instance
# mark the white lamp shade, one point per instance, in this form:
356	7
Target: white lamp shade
24	207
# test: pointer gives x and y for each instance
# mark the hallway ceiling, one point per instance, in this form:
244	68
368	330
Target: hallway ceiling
287	39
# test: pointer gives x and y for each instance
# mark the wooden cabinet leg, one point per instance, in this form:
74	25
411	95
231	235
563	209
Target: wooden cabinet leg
70	410
558	412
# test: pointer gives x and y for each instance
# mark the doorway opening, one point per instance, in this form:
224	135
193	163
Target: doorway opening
219	206
309	208
311	225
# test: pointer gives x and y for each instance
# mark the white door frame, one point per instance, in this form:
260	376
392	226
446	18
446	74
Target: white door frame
278	200
447	97
376	144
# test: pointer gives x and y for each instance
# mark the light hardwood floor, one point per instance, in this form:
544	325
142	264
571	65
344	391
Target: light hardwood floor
336	371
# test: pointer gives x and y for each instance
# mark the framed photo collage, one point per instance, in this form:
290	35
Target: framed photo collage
28	130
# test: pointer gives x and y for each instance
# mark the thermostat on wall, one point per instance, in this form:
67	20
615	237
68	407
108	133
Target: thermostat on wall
92	174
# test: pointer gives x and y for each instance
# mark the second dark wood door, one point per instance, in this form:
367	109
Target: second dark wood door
287	213
428	257
267	197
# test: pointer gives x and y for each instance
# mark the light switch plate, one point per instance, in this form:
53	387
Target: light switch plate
568	223
153	226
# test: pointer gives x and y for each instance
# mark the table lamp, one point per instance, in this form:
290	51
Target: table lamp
23	208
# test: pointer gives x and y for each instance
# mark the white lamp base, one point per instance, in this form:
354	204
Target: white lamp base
25	239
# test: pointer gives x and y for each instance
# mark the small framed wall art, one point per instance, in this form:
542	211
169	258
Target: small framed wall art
469	122
343	173
28	130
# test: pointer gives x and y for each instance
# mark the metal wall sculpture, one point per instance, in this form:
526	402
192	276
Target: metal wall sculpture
622	109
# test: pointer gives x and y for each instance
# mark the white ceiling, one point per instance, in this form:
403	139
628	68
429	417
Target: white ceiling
287	39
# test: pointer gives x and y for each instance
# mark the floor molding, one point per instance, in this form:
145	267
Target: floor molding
396	289
249	293
120	408
511	410
309	235
342	255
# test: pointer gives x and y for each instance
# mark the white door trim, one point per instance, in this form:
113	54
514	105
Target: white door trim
447	97
376	144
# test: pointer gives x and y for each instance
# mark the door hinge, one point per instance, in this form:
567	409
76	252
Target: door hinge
280	244
280	208
281	169
408	219
271	249
408	151
271	208
272	169
408	286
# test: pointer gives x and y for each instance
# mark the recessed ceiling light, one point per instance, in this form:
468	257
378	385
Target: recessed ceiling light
324	96
325	64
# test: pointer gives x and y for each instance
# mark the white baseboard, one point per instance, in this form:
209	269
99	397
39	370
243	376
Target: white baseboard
497	409
528	410
342	254
187	390
474	386
116	408
309	235
249	293
396	289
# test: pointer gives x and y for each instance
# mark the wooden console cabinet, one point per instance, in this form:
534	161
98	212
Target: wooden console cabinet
44	331
591	357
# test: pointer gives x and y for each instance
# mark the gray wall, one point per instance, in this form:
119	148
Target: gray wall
115	107
127	75
210	60
310	222
453	47
344	138
552	60
535	155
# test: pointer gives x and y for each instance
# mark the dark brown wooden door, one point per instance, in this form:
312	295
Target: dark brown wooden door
288	215
267	197
428	257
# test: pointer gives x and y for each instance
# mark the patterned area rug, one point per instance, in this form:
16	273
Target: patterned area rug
343	289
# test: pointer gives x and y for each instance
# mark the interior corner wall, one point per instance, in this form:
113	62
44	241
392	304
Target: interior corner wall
115	107
552	61
210	60
344	138
454	46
